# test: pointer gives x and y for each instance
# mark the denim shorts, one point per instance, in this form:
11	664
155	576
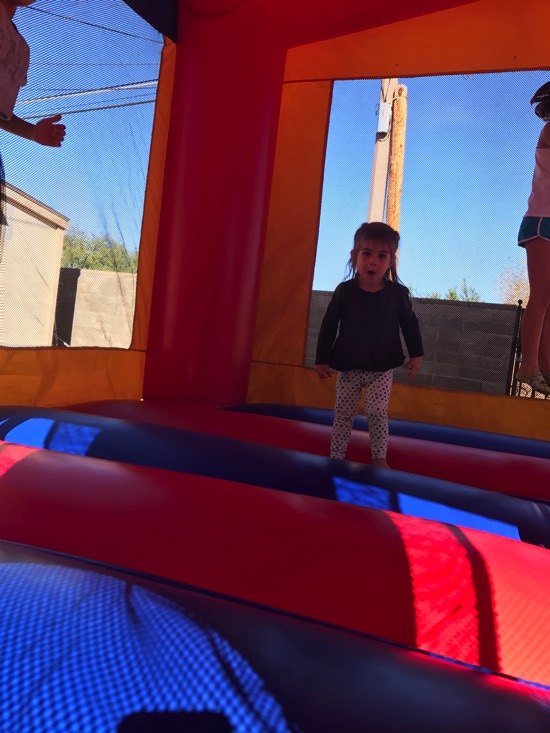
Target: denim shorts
533	227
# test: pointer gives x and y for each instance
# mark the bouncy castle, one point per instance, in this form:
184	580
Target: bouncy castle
178	551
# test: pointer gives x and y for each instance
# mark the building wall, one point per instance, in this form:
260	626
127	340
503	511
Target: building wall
30	257
95	308
467	346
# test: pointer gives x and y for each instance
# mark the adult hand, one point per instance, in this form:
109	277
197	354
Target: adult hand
48	132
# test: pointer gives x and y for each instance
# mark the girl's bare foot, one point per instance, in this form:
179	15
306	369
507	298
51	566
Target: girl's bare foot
379	463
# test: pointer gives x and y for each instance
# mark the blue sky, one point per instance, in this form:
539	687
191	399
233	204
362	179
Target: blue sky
469	155
97	178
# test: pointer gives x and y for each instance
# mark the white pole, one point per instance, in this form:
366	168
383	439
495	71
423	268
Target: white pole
381	158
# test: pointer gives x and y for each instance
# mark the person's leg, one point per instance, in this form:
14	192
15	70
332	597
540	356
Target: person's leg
544	347
377	398
348	394
534	334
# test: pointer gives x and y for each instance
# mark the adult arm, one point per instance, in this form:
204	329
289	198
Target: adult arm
45	132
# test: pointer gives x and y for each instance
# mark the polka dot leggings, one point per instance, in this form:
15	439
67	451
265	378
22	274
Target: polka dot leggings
349	385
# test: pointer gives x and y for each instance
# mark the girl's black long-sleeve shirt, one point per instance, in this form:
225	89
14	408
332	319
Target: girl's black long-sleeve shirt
360	330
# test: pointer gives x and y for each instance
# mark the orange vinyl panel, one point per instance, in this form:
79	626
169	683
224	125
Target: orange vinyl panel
291	241
53	376
153	197
489	35
296	385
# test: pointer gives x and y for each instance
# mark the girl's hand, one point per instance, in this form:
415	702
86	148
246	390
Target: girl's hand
323	370
412	366
48	132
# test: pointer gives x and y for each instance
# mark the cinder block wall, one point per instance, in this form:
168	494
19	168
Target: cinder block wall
467	345
95	308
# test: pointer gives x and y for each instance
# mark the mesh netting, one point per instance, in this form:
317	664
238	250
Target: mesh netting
467	169
70	247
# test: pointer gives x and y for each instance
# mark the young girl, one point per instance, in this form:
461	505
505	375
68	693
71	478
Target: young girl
534	235
14	64
359	338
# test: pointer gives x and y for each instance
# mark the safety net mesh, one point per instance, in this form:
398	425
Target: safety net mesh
70	247
469	143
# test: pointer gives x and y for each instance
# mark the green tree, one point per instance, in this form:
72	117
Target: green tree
470	295
89	252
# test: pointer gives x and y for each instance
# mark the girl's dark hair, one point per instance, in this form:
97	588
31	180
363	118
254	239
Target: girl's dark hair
542	99
379	233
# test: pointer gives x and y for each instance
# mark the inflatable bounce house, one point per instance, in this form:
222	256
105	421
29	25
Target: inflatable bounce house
177	550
